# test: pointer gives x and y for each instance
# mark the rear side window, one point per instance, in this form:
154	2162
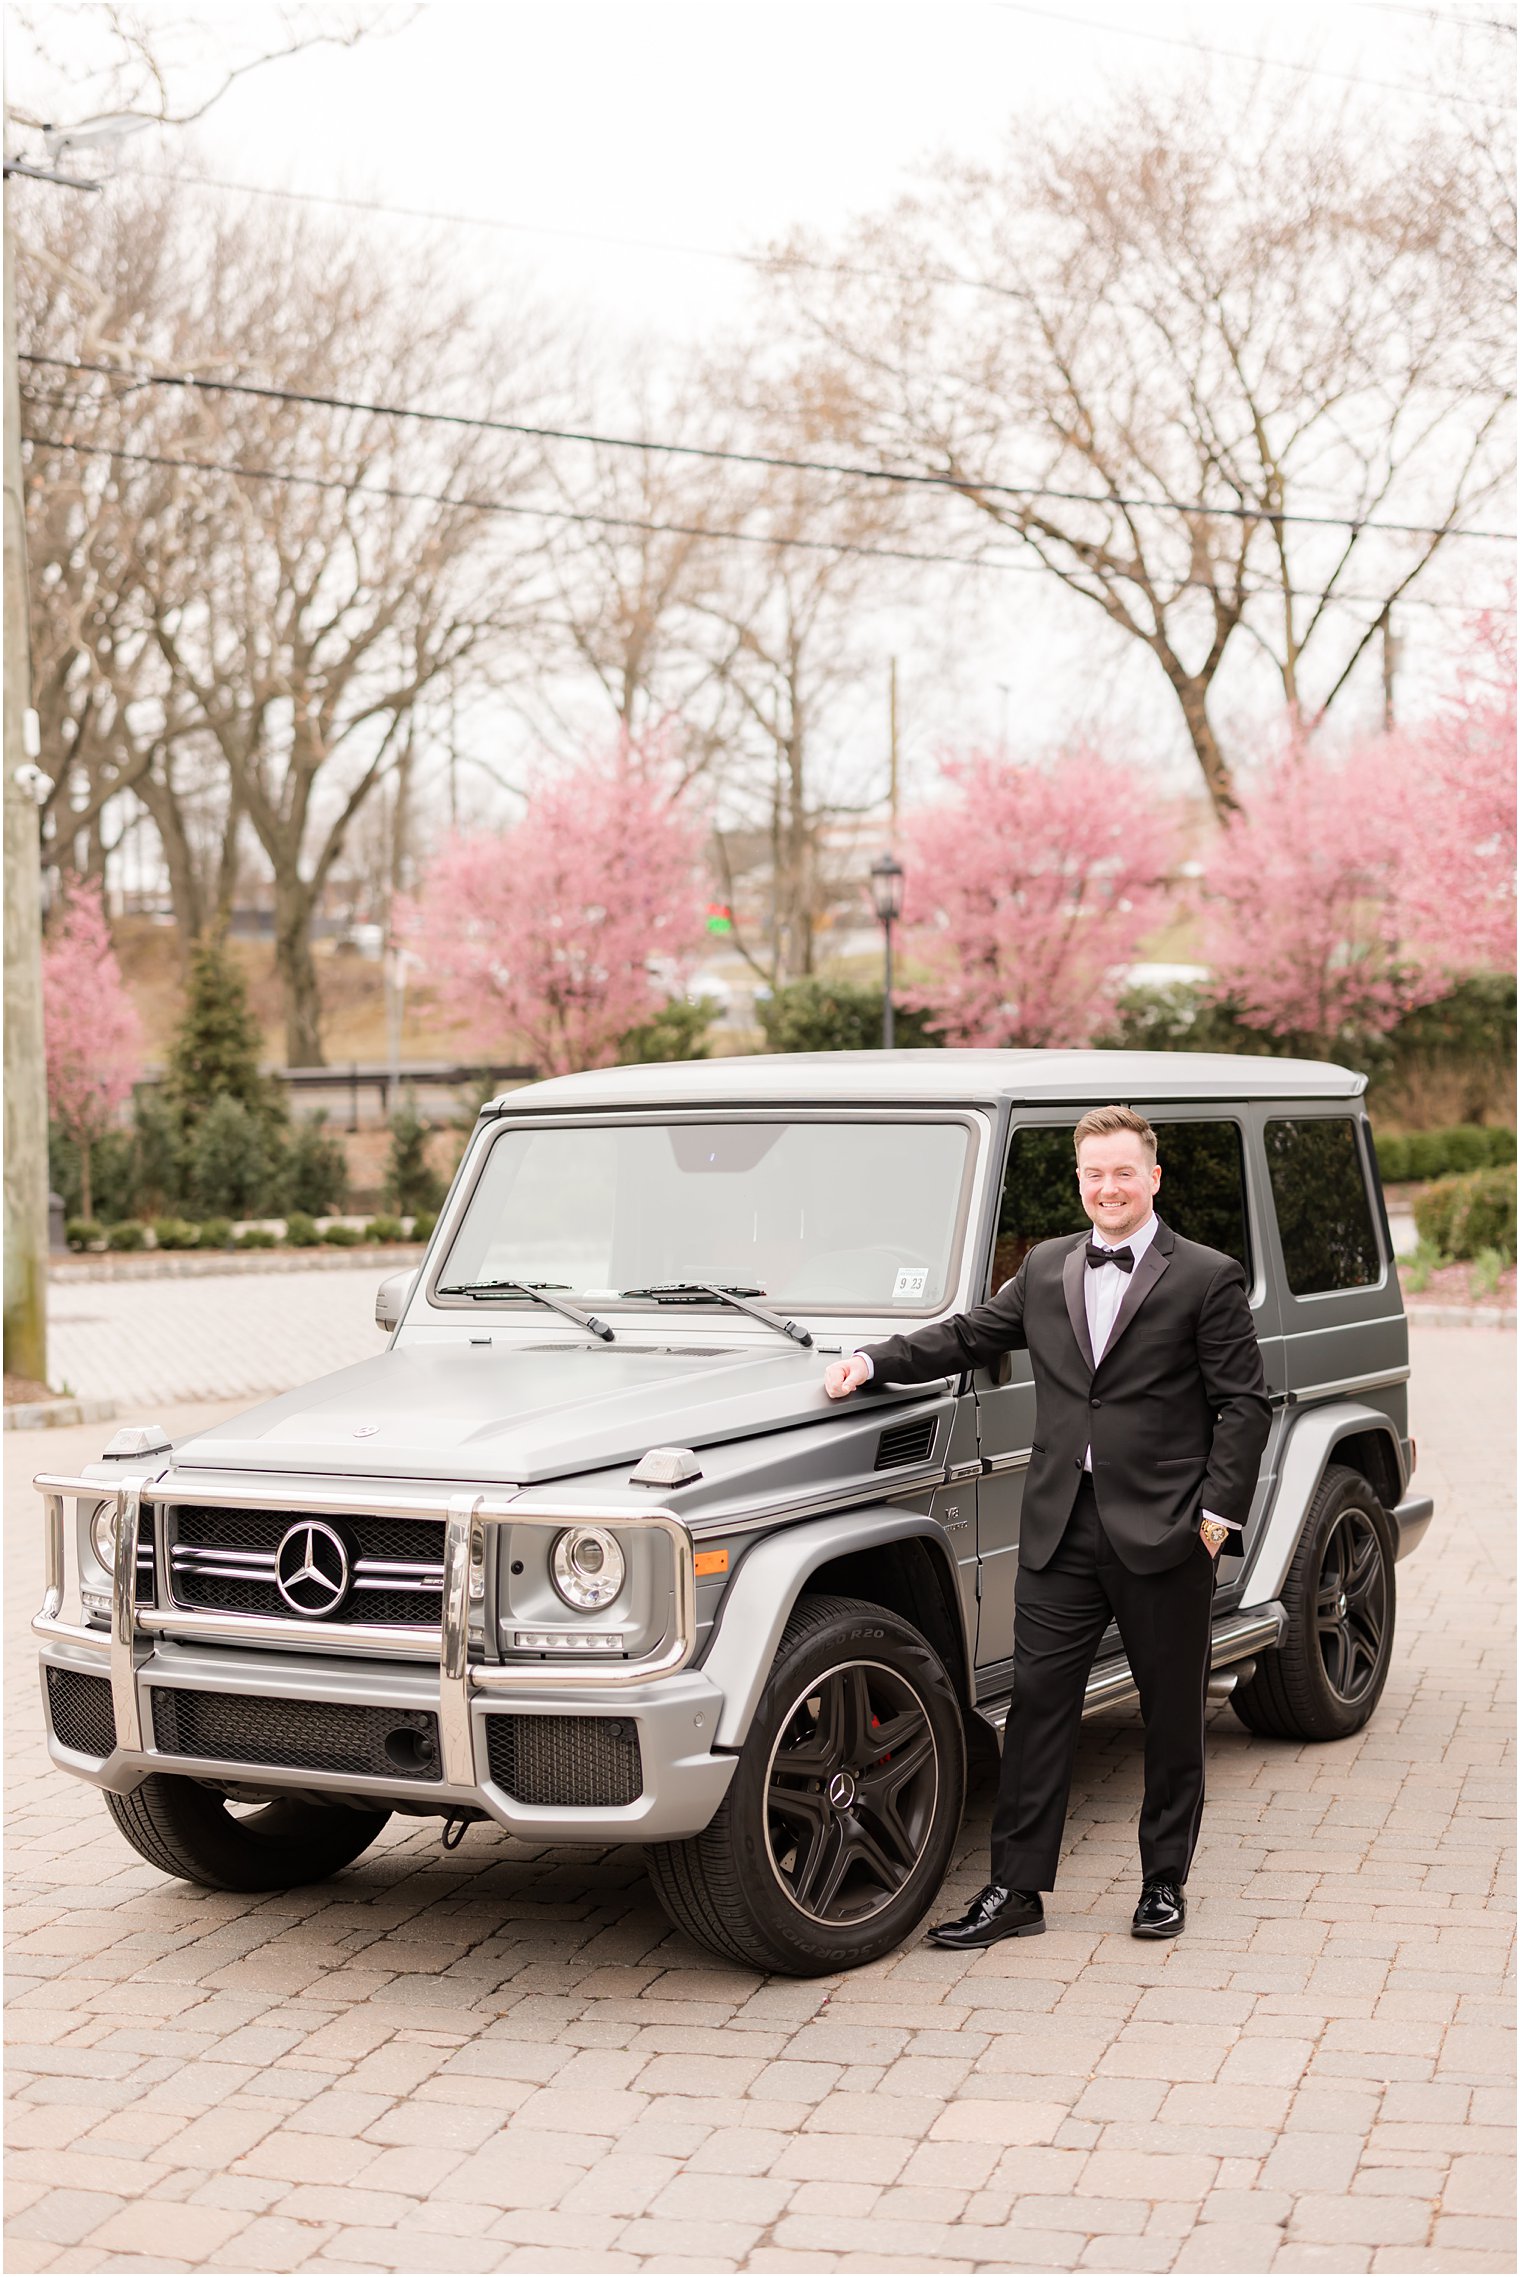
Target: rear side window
1323	1214
1202	1192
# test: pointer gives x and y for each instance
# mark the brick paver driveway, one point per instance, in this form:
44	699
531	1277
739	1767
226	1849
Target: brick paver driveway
504	2058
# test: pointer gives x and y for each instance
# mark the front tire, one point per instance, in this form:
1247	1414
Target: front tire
836	1832
191	1832
1327	1676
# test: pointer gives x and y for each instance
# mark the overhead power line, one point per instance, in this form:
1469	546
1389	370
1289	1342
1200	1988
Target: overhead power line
774	542
1242	55
965	486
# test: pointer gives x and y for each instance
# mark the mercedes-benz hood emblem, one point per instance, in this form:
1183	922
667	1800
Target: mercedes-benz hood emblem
311	1568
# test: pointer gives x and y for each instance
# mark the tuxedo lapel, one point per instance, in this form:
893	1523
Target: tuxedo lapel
1074	1280
1148	1271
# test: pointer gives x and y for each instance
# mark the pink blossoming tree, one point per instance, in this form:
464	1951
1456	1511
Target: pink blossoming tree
1457	814
91	1032
540	937
1028	891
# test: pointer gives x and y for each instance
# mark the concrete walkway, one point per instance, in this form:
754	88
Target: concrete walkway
504	2058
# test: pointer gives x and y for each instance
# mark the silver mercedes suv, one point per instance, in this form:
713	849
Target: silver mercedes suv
586	1551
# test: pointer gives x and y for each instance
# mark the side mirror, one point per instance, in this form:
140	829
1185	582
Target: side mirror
392	1298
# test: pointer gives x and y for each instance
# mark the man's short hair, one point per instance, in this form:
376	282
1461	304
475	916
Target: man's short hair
1102	1122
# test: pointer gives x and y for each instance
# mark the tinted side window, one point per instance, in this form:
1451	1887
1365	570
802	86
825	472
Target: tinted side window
1203	1185
1202	1192
1323	1213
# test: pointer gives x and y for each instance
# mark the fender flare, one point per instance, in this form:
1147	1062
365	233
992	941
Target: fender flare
1312	1439
758	1602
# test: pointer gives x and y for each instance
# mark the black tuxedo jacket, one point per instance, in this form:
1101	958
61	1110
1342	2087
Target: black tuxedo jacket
1176	1411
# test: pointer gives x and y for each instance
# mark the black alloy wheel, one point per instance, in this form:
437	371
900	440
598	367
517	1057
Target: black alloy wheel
1351	1604
1339	1593
840	1820
850	1792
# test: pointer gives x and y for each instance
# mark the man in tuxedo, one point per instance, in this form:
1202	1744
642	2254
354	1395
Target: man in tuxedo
1151	1417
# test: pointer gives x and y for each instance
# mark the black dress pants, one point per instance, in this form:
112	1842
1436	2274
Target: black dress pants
1060	1614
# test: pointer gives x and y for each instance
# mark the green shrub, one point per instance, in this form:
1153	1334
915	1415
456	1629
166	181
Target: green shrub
230	1160
1501	1143
411	1183
423	1224
216	1233
342	1236
1487	1266
313	1174
256	1237
175	1233
836	1016
301	1231
1461	1216
1392	1159
385	1228
130	1234
675	1032
1415	1271
83	1233
1444	1153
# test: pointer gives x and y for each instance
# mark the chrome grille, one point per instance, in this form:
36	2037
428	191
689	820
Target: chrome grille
223	1560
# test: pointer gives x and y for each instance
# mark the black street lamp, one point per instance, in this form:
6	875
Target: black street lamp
887	893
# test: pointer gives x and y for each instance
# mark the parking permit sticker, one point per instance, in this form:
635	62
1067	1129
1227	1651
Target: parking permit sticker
912	1280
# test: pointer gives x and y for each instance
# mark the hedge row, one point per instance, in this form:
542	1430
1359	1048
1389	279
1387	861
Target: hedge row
1462	1217
216	1233
1444	1154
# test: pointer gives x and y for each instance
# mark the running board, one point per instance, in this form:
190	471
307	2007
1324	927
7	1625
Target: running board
1112	1685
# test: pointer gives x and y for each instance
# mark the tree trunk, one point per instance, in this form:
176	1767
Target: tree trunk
185	897
1193	695
298	976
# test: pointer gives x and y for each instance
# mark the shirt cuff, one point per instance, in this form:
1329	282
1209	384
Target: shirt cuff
1233	1523
860	1353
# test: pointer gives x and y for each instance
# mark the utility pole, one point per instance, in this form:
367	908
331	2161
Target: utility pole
26	1166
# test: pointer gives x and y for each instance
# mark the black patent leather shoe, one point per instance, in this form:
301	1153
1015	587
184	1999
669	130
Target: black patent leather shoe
993	1913
1162	1909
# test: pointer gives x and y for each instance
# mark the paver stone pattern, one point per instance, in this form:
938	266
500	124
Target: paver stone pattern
504	2058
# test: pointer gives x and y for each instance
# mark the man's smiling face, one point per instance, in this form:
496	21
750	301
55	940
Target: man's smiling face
1117	1179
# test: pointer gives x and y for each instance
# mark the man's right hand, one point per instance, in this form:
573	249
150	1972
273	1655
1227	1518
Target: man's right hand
841	1377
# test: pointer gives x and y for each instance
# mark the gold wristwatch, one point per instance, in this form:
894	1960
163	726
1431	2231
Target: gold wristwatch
1213	1531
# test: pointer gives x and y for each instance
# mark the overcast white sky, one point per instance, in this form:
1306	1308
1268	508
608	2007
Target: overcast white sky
603	129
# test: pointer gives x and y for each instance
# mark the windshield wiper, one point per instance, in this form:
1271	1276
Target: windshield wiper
537	1290
690	1292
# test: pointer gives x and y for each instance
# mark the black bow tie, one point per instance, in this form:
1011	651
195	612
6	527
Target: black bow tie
1123	1258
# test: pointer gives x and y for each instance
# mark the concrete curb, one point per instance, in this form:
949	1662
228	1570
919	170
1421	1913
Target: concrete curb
58	1414
1459	1316
191	1265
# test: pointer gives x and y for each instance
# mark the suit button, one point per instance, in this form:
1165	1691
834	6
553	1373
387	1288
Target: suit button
1095	1403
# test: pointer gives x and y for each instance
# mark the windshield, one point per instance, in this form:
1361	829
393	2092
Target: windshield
835	1216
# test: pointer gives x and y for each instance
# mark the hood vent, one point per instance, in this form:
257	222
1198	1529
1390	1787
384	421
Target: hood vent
906	1443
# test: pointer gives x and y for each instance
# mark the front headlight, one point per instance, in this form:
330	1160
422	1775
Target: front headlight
102	1535
587	1567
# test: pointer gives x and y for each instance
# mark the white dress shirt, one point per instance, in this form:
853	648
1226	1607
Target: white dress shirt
1104	1289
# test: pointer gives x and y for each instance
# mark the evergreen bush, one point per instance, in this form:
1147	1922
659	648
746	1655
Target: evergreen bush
385	1228
1444	1153
423	1224
229	1155
84	1233
410	1181
131	1233
342	1236
675	1032
301	1231
217	1046
836	1016
313	1175
1462	1216
256	1237
175	1233
216	1233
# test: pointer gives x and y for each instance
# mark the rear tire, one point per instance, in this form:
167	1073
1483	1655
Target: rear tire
1327	1676
837	1828
187	1830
